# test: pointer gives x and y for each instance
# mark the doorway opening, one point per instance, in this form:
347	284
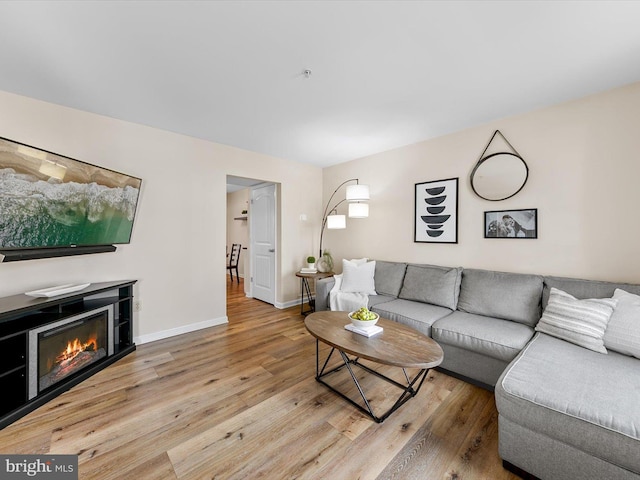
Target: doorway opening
253	211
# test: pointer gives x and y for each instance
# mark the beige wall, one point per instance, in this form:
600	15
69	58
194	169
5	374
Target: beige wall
584	162
180	229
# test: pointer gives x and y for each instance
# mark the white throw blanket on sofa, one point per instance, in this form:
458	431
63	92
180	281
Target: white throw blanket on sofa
346	301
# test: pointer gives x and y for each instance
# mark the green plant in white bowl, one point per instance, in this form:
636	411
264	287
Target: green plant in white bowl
311	261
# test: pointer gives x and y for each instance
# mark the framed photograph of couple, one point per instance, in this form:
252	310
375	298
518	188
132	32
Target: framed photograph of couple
511	223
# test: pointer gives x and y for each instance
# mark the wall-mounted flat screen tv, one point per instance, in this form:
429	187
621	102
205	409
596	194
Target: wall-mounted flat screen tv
48	200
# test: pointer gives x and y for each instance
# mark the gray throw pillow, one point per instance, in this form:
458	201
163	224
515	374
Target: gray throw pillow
388	277
582	322
510	296
432	284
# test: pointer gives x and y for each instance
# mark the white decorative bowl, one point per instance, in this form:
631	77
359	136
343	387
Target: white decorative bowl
363	323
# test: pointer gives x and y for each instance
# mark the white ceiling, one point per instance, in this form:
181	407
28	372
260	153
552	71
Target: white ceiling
384	74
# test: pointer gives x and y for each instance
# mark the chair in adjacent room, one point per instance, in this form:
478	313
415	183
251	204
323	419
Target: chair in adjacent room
234	256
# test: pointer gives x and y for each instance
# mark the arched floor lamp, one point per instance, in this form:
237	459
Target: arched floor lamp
356	195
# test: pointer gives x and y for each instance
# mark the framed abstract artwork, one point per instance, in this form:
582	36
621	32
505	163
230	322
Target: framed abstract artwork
511	223
436	211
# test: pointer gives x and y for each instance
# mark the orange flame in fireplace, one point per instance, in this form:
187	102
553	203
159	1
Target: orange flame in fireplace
75	347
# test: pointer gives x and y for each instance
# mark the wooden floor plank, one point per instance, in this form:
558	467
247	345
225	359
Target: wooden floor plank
246	434
240	401
114	459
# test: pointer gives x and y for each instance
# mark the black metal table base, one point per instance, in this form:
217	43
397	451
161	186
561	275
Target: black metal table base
408	390
306	288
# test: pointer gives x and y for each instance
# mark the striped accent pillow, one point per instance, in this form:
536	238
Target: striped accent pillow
582	322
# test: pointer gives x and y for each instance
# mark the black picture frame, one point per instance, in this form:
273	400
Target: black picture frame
436	211
519	224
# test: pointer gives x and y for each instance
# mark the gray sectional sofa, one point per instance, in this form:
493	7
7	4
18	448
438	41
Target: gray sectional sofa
565	412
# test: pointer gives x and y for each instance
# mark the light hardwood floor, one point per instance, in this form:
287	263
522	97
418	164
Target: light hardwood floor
239	401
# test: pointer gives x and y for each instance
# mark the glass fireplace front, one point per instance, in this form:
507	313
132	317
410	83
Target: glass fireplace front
63	348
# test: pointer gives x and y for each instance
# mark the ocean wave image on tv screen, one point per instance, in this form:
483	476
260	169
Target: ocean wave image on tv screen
38	213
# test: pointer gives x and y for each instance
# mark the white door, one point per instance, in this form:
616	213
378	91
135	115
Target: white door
262	234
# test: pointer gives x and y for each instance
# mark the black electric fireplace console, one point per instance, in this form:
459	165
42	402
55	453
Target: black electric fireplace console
46	344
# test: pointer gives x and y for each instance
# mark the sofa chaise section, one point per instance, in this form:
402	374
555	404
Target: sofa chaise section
569	412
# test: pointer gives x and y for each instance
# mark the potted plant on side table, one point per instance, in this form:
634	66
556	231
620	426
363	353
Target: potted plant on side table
311	262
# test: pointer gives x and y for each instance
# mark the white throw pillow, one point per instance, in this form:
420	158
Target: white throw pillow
623	331
582	322
358	277
358	261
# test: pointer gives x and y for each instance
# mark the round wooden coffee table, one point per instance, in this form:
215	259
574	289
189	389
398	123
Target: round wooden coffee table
397	345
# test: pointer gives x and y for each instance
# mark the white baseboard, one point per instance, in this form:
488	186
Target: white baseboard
172	332
291	303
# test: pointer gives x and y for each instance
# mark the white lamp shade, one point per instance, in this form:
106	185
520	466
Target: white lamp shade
336	221
357	192
358	210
